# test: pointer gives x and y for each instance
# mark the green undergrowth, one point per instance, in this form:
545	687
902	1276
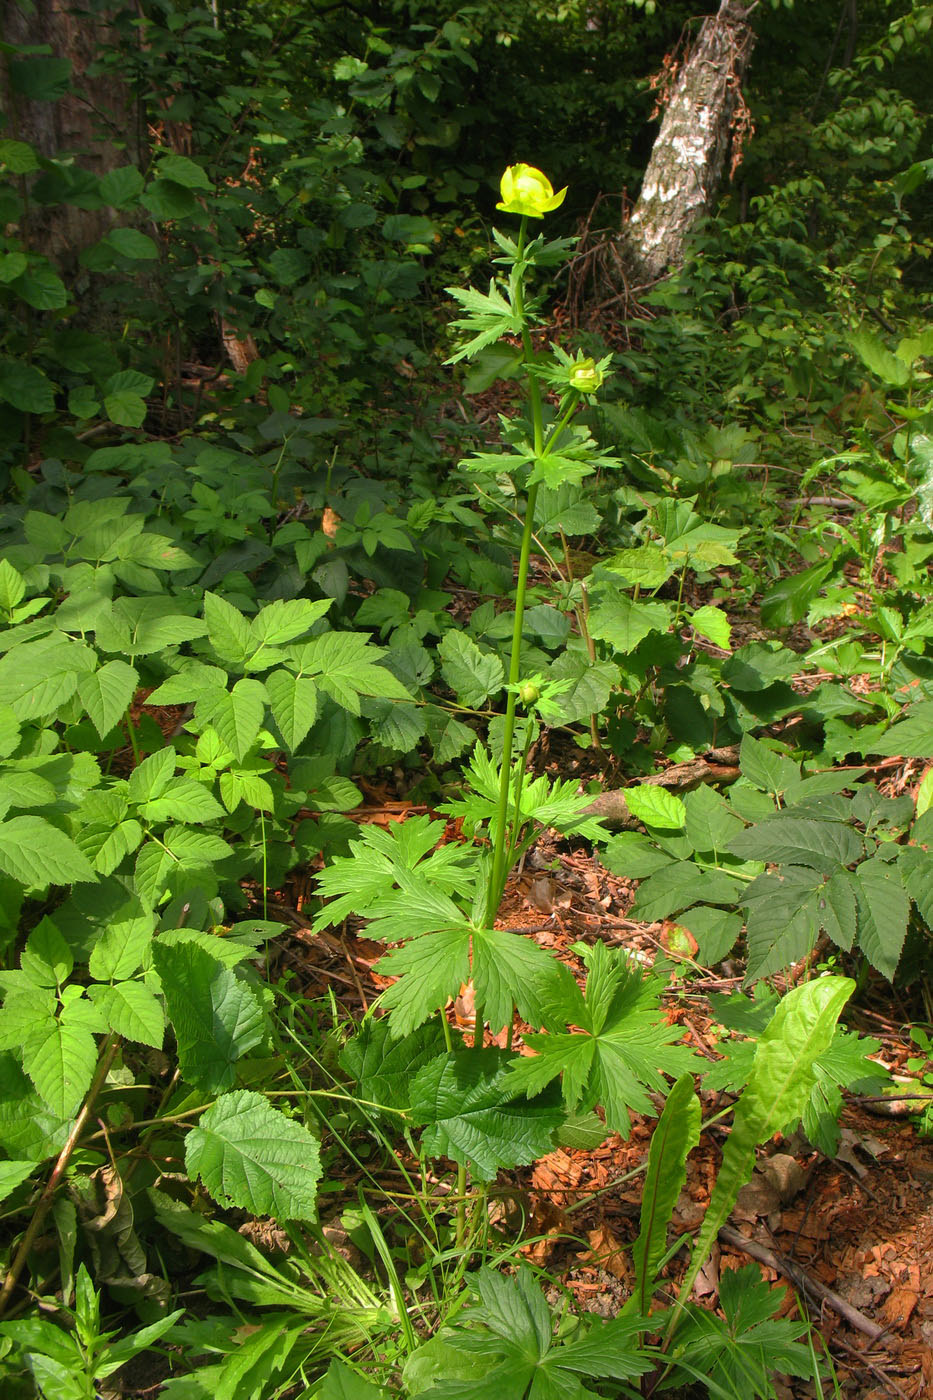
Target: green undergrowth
230	604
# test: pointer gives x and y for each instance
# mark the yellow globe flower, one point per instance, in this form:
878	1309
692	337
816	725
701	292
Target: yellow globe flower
585	376
525	190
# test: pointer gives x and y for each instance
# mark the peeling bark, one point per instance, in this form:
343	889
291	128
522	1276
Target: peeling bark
704	114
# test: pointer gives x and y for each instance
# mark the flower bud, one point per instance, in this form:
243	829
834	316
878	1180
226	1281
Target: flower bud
525	190
529	693
585	377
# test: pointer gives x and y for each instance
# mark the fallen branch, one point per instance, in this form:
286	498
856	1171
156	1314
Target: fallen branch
807	1285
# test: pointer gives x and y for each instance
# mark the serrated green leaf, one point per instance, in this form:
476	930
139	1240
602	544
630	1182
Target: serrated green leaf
227	629
13	1174
47	959
383	1065
293	700
106	694
37	854
680	885
911	737
916	866
122	944
150	778
183	800
250	1156
883	911
281	621
193	849
471	1112
237	716
132	1011
787	839
216	1017
624	1049
657	807
431	969
710	822
472	675
712	623
60	1058
12	586
344	664
783	919
623	624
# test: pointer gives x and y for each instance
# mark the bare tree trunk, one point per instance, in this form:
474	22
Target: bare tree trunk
704	113
95	121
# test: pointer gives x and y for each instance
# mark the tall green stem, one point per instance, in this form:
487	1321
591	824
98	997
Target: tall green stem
498	874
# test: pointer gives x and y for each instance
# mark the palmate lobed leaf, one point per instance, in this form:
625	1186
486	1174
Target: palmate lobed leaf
624	1050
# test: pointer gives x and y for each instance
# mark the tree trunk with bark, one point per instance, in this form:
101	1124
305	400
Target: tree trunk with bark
95	121
704	114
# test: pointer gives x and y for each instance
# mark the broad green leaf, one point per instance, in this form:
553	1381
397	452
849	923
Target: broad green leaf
227	629
916	867
383	1065
42	288
132	1010
777	1093
13	1174
345	665
150	778
340	1383
645	566
787	839
37	678
472	675
106	694
282	621
37	854
911	737
623	624
241	785
122	944
132	243
678	886
788	601
293	700
216	1018
237	716
121	185
249	1156
27	1010
471	1112
47	959
181	170
676	1134
783	919
126	409
657	807
716	932
883	910
838	908
876	357
710	821
770	771
713	623
183	800
634	855
12	587
60	1058
192	848
105	846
